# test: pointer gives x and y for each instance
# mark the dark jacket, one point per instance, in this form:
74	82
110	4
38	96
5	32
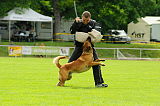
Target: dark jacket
80	27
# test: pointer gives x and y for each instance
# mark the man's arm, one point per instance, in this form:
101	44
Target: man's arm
75	26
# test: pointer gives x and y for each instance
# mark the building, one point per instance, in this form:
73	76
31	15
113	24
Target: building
145	30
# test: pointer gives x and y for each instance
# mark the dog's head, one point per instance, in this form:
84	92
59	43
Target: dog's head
87	46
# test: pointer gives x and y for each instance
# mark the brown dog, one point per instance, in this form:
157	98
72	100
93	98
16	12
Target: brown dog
82	64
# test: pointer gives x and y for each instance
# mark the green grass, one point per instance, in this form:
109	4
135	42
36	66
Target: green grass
32	82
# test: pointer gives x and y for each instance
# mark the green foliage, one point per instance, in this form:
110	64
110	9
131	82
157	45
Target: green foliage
44	7
111	14
7	5
65	4
116	14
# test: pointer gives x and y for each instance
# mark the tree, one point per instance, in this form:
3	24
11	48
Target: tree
155	9
57	16
108	13
112	14
7	5
59	8
116	14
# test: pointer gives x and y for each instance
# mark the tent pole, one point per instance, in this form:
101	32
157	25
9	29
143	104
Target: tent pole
34	25
35	32
52	30
9	31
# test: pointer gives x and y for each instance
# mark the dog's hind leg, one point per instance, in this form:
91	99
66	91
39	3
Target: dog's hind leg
69	76
63	76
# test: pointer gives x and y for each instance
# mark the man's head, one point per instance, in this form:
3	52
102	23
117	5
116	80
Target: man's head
86	17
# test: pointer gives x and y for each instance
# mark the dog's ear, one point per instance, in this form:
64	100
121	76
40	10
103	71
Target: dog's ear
89	39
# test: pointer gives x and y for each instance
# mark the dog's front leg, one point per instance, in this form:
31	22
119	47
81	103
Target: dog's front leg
96	63
69	76
97	60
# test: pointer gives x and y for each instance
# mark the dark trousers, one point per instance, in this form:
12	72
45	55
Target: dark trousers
96	69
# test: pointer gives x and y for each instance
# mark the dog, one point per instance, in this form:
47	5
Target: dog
82	64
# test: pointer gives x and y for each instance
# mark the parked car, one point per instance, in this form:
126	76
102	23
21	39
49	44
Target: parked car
117	36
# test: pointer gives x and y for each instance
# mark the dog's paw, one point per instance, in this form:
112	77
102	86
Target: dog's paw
102	64
60	84
102	60
98	60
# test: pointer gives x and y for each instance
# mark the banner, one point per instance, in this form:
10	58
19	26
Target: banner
27	50
15	51
64	51
44	50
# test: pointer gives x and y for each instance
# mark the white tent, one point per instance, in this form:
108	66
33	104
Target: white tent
151	20
145	30
19	14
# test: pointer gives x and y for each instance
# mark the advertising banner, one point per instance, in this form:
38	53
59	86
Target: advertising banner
45	50
64	51
27	50
15	51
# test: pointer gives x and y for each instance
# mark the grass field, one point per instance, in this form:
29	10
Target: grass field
32	82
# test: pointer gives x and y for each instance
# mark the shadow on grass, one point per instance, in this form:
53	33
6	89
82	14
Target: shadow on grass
80	87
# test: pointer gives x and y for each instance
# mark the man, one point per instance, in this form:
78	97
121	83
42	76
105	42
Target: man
86	24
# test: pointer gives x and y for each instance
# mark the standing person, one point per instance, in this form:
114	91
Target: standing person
86	24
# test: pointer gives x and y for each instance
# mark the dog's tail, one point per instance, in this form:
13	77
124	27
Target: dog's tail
56	60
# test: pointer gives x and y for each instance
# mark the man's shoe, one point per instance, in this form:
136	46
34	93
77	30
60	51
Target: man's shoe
101	85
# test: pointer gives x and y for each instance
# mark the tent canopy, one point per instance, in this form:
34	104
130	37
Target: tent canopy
22	14
152	20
